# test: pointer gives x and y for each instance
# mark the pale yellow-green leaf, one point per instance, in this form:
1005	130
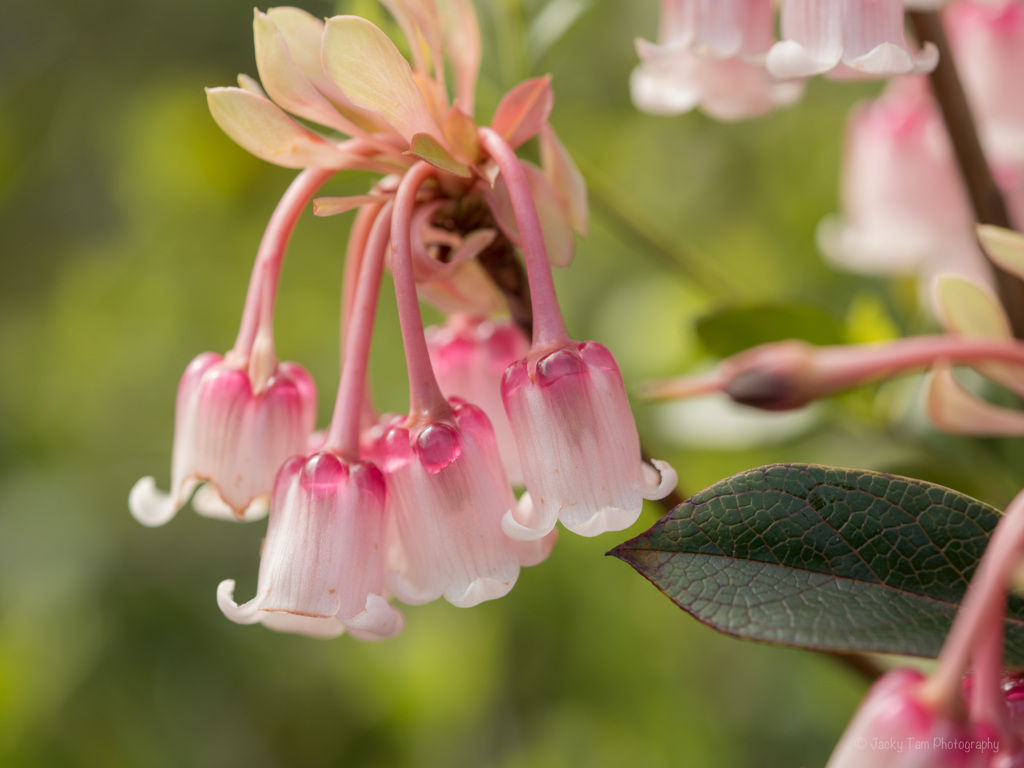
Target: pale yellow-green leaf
259	126
972	310
426	147
367	67
285	82
331	206
1004	246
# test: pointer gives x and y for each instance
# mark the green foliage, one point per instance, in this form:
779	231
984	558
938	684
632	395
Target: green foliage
823	558
728	331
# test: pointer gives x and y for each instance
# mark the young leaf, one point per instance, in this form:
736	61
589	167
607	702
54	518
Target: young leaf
426	147
823	558
524	110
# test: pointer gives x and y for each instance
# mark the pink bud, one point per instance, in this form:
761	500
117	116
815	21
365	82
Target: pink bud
896	728
448	494
469	356
578	445
322	567
231	437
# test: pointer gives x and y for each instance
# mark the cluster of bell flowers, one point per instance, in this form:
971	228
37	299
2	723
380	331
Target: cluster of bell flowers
723	56
420	506
904	207
944	719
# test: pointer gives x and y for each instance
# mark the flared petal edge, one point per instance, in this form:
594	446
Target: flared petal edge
152	507
378	621
532	529
659	480
209	503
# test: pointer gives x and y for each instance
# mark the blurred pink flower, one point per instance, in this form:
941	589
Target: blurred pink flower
988	41
867	36
710	55
470	355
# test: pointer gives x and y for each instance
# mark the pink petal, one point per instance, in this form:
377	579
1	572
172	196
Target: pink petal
565	177
367	67
462	43
953	408
262	128
460	133
554	217
523	110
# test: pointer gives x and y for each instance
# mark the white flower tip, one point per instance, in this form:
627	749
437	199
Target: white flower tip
660	479
240	614
379	621
209	503
479	590
150	506
926	59
788	59
514	529
607	519
885	59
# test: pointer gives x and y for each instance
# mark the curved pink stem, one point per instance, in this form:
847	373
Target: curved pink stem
355	250
267	268
981	613
426	403
343	433
548	326
840	367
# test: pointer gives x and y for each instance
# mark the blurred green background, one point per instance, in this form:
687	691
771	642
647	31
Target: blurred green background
128	224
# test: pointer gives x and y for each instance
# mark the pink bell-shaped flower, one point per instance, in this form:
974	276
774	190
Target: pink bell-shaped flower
322	567
448	494
469	356
867	36
578	445
988	40
896	728
904	206
230	436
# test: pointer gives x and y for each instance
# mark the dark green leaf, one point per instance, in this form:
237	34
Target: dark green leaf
823	558
728	331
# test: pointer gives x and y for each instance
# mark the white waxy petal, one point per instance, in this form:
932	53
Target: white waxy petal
812	39
151	506
953	408
208	503
379	620
661	479
262	128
